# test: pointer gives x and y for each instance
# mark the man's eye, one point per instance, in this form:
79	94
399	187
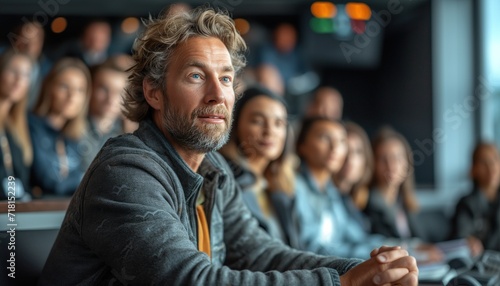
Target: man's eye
226	79
196	76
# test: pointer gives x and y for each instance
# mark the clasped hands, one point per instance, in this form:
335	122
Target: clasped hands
387	265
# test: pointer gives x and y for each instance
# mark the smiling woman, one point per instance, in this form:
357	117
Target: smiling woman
259	159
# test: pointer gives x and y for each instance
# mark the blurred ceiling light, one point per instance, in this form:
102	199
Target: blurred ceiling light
130	25
322	26
58	25
323	10
358	11
358	26
242	25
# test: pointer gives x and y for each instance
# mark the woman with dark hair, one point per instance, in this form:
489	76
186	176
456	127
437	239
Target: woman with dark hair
325	225
354	178
16	153
257	153
57	125
477	215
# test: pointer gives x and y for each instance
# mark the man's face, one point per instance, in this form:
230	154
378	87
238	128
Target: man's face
197	106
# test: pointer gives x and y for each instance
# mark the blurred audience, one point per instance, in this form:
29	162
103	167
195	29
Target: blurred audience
29	38
353	183
57	125
257	155
477	214
284	54
326	102
105	118
92	47
16	150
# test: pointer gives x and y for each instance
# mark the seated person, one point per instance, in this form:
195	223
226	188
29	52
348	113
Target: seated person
477	215
16	152
324	223
392	205
56	127
105	117
29	38
93	45
326	102
160	207
257	155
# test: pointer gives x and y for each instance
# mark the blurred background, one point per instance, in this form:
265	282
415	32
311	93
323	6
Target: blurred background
430	69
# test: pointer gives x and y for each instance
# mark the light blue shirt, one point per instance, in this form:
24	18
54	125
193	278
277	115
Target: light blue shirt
325	226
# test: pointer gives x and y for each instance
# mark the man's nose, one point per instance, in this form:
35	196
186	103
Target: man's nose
214	93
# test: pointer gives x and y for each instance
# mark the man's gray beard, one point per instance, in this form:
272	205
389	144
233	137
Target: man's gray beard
188	135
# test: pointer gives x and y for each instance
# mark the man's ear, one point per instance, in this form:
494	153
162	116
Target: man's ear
153	96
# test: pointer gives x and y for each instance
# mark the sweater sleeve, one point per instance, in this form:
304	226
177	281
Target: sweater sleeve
134	222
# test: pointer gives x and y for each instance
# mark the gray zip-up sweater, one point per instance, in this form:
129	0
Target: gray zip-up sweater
132	221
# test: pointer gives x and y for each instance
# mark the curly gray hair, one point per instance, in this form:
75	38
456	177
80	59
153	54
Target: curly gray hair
153	51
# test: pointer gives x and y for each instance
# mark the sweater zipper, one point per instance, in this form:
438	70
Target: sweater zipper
194	216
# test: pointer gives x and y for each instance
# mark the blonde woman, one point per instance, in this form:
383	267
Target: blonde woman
57	125
16	153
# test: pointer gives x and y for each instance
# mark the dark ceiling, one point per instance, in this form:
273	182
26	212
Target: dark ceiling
145	7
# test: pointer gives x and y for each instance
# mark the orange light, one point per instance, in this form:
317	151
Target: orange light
358	11
242	25
58	25
130	25
323	10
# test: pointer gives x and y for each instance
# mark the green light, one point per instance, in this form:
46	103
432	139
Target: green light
322	26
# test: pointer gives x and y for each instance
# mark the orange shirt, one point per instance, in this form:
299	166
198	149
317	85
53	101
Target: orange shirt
203	233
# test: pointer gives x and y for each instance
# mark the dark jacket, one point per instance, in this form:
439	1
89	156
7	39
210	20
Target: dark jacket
132	221
281	203
383	218
46	167
475	216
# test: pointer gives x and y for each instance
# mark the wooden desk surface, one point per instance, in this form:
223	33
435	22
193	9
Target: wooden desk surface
38	205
